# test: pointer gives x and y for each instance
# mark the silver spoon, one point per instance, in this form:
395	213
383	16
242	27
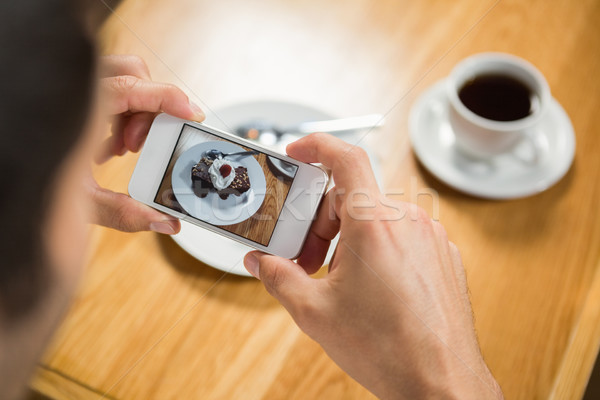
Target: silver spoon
213	154
269	133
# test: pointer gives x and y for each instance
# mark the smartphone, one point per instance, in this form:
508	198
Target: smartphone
228	185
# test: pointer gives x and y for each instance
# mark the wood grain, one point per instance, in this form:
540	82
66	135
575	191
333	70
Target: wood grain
55	385
152	322
581	354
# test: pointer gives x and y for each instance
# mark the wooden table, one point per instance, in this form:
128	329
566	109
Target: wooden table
151	322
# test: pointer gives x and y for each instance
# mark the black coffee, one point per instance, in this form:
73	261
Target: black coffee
498	97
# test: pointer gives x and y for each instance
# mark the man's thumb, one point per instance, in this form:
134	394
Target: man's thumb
284	279
119	211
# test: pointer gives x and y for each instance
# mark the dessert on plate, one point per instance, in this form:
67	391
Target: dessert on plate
221	176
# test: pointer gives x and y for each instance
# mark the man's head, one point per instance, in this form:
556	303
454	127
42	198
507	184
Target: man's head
47	68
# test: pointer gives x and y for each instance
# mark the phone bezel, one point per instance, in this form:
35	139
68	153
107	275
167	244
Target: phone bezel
289	233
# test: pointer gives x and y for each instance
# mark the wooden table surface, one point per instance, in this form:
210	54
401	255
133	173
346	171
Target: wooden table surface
151	322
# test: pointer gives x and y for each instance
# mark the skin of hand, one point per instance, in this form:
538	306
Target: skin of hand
393	311
133	100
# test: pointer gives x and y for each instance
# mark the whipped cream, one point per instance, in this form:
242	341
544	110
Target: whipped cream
218	181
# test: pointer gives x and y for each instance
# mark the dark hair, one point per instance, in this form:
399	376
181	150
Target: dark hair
47	69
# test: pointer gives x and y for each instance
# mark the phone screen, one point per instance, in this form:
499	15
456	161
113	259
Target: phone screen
240	193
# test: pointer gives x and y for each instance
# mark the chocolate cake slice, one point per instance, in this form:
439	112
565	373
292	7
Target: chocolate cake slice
202	184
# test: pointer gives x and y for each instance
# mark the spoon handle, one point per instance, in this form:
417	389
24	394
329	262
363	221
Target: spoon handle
241	153
339	125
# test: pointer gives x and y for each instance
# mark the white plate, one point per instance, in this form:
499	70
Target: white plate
212	208
505	176
218	251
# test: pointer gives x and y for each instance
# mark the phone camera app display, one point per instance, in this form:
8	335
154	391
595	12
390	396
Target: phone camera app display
225	184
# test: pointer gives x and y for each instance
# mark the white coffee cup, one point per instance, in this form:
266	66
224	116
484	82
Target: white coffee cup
482	137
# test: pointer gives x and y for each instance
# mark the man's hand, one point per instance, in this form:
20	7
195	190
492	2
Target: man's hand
133	101
393	312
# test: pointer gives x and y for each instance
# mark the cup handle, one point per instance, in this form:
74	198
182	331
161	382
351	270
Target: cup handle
531	153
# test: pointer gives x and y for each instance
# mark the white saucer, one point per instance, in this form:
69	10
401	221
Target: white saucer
218	251
503	177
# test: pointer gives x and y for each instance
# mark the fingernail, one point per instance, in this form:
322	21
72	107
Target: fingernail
197	111
162	227
251	263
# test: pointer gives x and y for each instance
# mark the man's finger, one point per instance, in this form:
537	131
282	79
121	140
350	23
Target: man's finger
136	129
325	227
288	283
119	211
126	64
131	94
110	147
350	164
118	143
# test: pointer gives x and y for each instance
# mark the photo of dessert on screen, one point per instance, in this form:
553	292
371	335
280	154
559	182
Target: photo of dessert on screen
218	181
219	175
226	184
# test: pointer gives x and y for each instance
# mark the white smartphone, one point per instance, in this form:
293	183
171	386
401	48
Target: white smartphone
228	185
